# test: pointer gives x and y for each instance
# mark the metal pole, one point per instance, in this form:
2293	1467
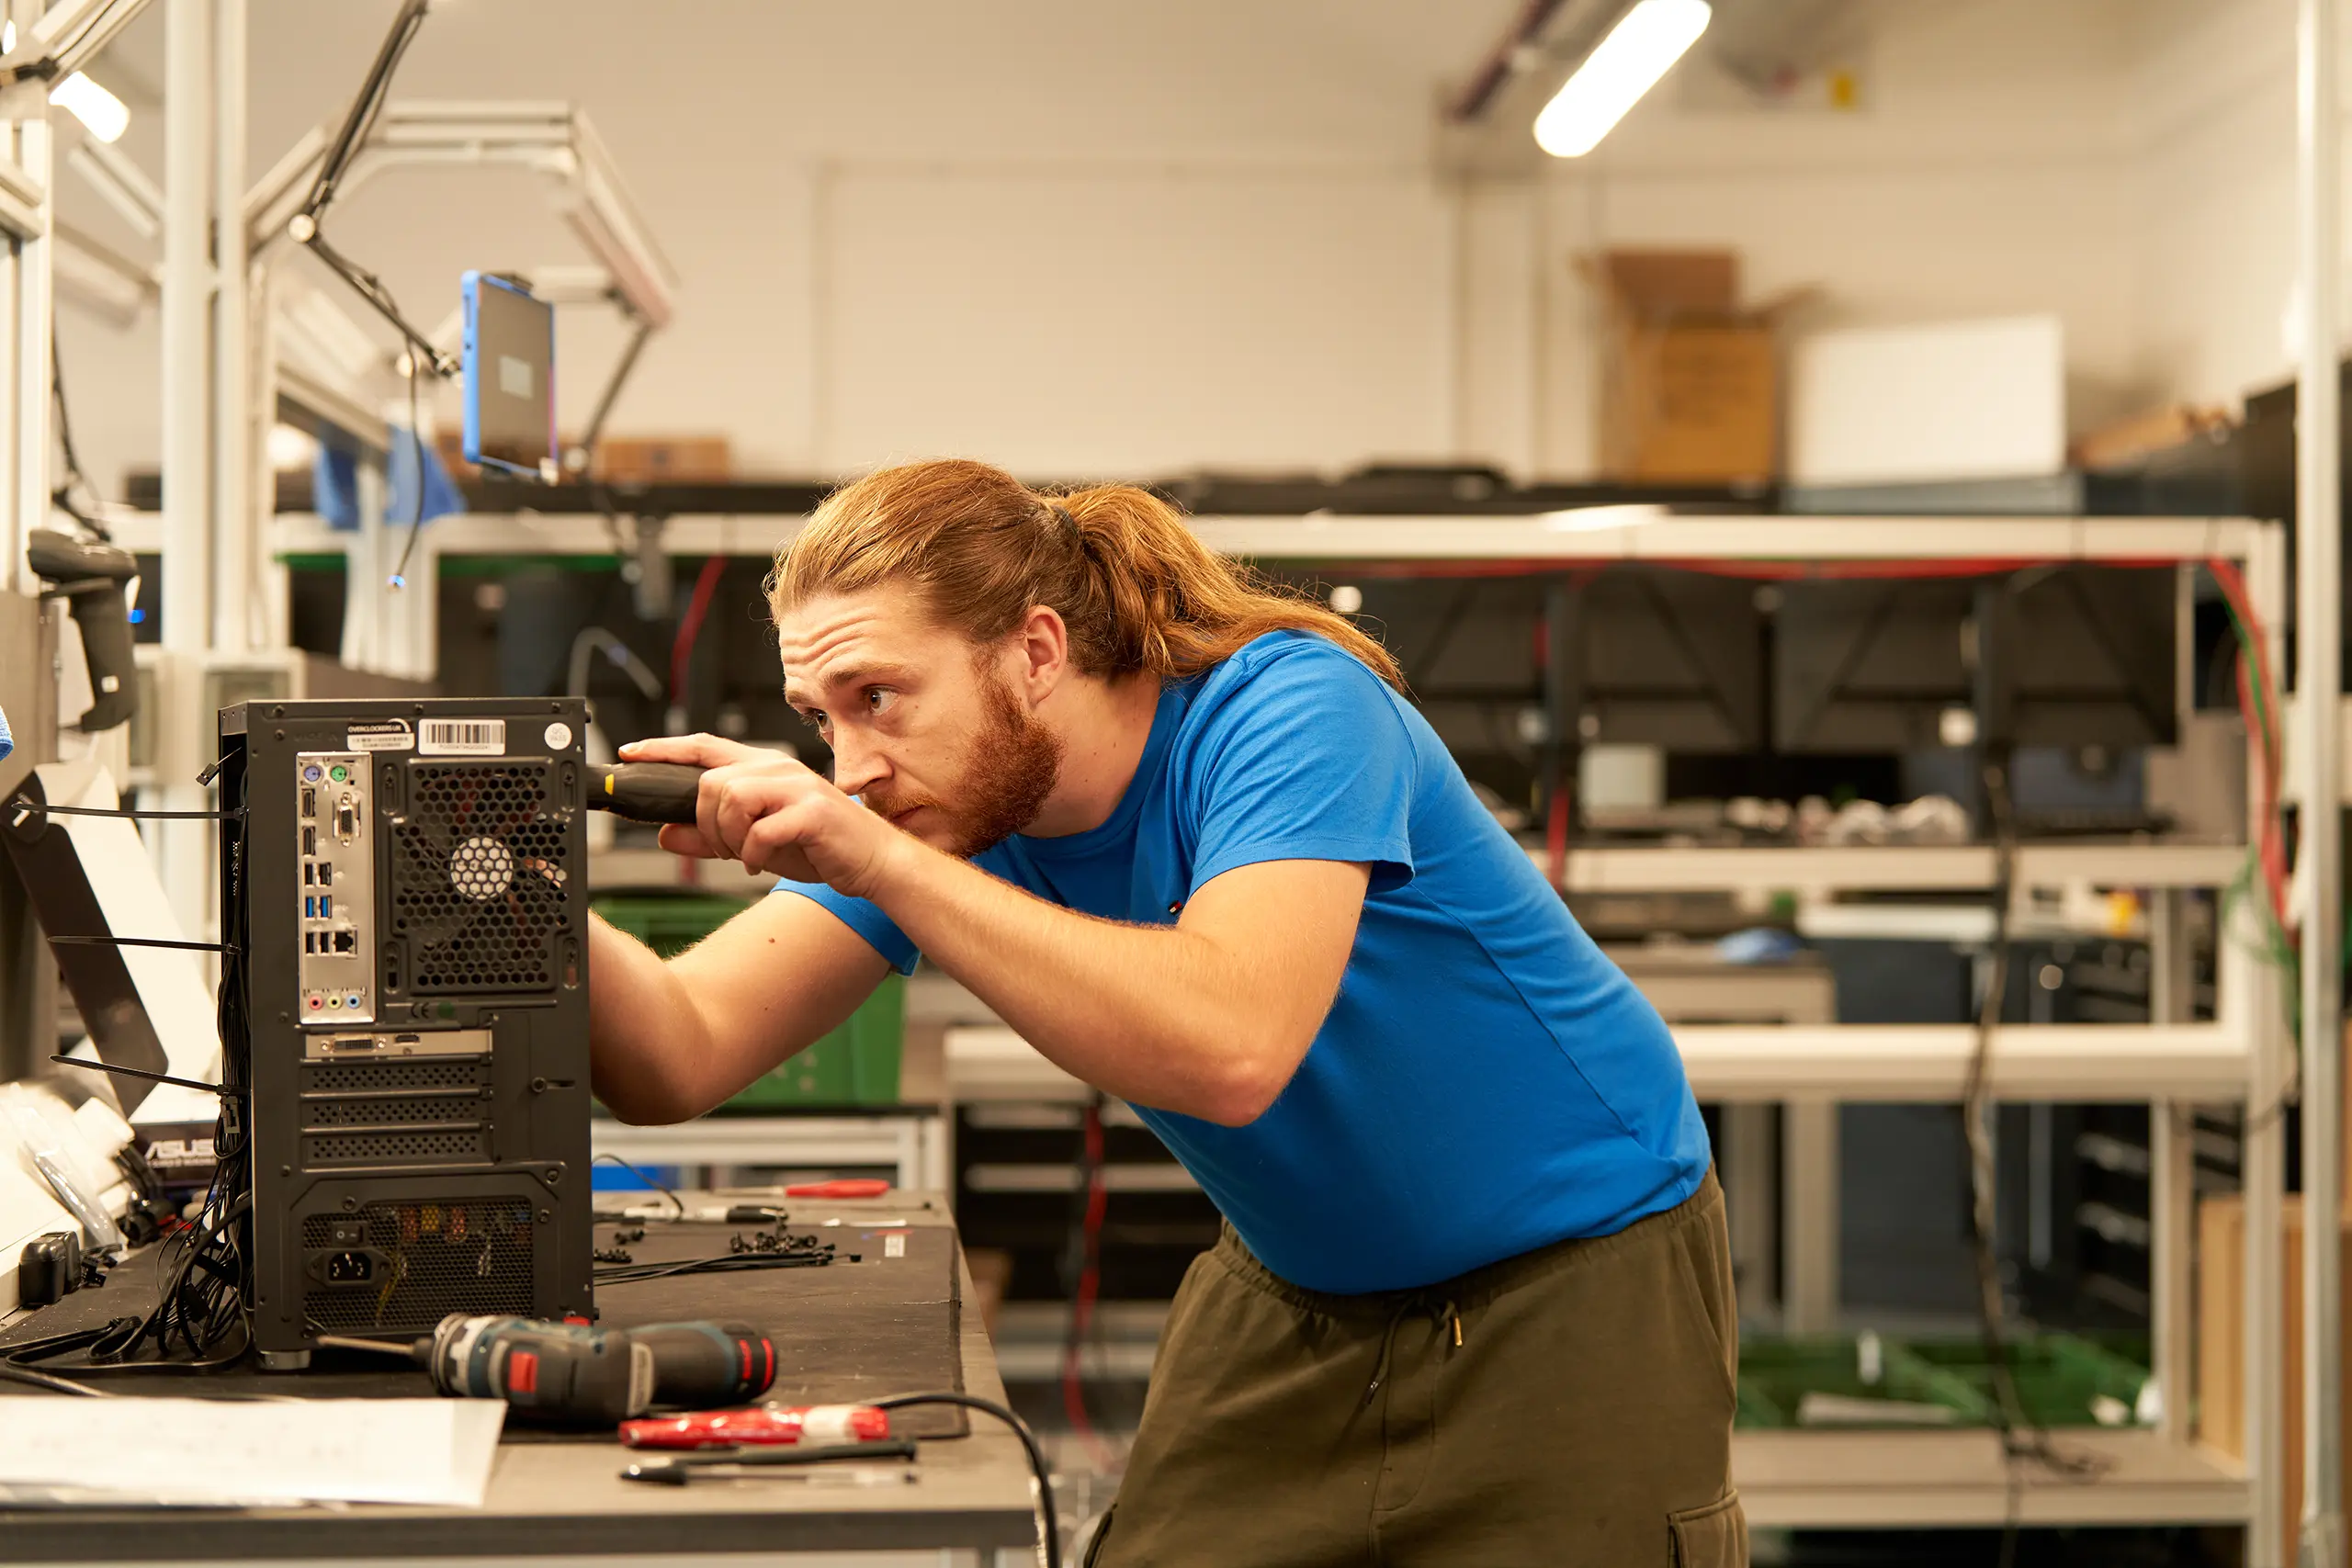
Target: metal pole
31	322
187	438
2318	677
234	516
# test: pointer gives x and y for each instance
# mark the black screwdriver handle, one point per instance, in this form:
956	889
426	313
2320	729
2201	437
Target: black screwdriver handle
646	792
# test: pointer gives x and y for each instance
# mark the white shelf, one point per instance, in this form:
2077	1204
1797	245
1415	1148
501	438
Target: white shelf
1958	1480
1558	536
1731	1062
1921	868
1929	1062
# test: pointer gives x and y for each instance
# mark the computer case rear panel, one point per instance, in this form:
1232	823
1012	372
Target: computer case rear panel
408	890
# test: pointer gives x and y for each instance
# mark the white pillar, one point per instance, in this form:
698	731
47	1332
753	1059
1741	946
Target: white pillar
30	321
187	389
2318	649
237	520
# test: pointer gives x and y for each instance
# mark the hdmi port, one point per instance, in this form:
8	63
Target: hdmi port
310	840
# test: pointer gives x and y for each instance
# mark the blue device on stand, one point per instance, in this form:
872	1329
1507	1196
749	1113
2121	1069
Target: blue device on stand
509	364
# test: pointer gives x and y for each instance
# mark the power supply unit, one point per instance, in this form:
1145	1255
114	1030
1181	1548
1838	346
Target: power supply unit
404	886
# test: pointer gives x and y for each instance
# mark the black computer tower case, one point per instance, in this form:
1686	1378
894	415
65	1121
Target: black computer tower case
407	889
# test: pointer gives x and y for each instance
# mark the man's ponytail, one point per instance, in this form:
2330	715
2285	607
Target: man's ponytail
1138	590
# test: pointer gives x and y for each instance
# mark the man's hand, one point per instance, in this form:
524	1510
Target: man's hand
775	815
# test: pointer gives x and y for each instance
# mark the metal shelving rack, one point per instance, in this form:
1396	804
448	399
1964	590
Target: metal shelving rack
1828	1479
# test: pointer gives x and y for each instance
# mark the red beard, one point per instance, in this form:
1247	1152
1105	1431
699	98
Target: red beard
1013	765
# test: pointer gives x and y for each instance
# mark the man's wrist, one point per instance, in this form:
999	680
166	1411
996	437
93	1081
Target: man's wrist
896	859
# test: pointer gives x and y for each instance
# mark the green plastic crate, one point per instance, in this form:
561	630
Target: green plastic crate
855	1065
669	923
1775	1375
2059	1377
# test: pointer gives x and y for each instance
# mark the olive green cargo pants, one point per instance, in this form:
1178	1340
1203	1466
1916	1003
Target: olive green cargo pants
1570	1408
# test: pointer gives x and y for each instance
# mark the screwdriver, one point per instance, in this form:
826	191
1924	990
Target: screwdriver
646	792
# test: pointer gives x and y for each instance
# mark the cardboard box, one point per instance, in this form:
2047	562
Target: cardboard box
2221	1332
2156	430
1689	380
663	459
2221	1339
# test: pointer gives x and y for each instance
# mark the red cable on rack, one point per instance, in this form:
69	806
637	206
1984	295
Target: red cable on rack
2258	705
682	651
1089	1285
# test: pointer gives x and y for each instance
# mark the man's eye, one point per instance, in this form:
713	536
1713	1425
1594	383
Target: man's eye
816	721
879	698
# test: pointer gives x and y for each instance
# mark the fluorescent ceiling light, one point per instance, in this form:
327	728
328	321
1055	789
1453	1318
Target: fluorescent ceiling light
1592	519
106	116
1639	50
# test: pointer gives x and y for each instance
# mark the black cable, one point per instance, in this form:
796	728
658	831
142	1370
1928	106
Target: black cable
62	497
724	1263
2020	1437
416	443
145	1074
30	1378
139	941
1028	1441
650	1185
28	802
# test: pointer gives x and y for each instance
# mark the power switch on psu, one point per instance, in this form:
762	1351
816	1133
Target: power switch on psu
49	1267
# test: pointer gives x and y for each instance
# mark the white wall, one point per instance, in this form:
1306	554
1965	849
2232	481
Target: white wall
2214	197
1092	240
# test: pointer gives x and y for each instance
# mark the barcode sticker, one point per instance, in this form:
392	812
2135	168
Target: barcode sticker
461	736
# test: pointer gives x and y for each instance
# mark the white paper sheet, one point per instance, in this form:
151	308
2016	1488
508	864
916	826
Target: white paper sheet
268	1452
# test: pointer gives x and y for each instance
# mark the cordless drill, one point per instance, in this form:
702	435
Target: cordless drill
577	1374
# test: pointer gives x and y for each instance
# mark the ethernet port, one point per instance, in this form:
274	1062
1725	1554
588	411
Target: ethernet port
346	942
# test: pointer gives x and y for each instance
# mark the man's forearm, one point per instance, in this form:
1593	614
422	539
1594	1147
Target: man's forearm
639	1030
1154	1014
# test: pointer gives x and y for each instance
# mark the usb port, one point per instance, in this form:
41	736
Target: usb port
309	876
326	908
310	908
310	941
326	873
310	840
309	801
346	942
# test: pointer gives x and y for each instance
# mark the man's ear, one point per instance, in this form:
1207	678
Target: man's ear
1041	646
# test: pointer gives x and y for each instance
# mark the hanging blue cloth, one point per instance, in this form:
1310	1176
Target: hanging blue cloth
6	743
335	485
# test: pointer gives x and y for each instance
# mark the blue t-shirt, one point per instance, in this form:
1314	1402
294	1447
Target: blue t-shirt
1487	1082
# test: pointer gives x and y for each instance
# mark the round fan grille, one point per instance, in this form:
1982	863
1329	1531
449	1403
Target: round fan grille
481	869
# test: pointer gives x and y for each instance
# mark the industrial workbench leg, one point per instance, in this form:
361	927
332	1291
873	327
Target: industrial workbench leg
2172	1171
1748	1166
1809	1289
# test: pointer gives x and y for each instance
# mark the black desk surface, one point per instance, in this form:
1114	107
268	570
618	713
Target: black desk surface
843	1333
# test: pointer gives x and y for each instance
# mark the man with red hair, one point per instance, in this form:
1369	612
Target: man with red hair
1473	1303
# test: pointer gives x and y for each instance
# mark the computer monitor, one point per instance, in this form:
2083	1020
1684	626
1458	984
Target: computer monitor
509	361
1870	666
1662	656
2082	655
2069	656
